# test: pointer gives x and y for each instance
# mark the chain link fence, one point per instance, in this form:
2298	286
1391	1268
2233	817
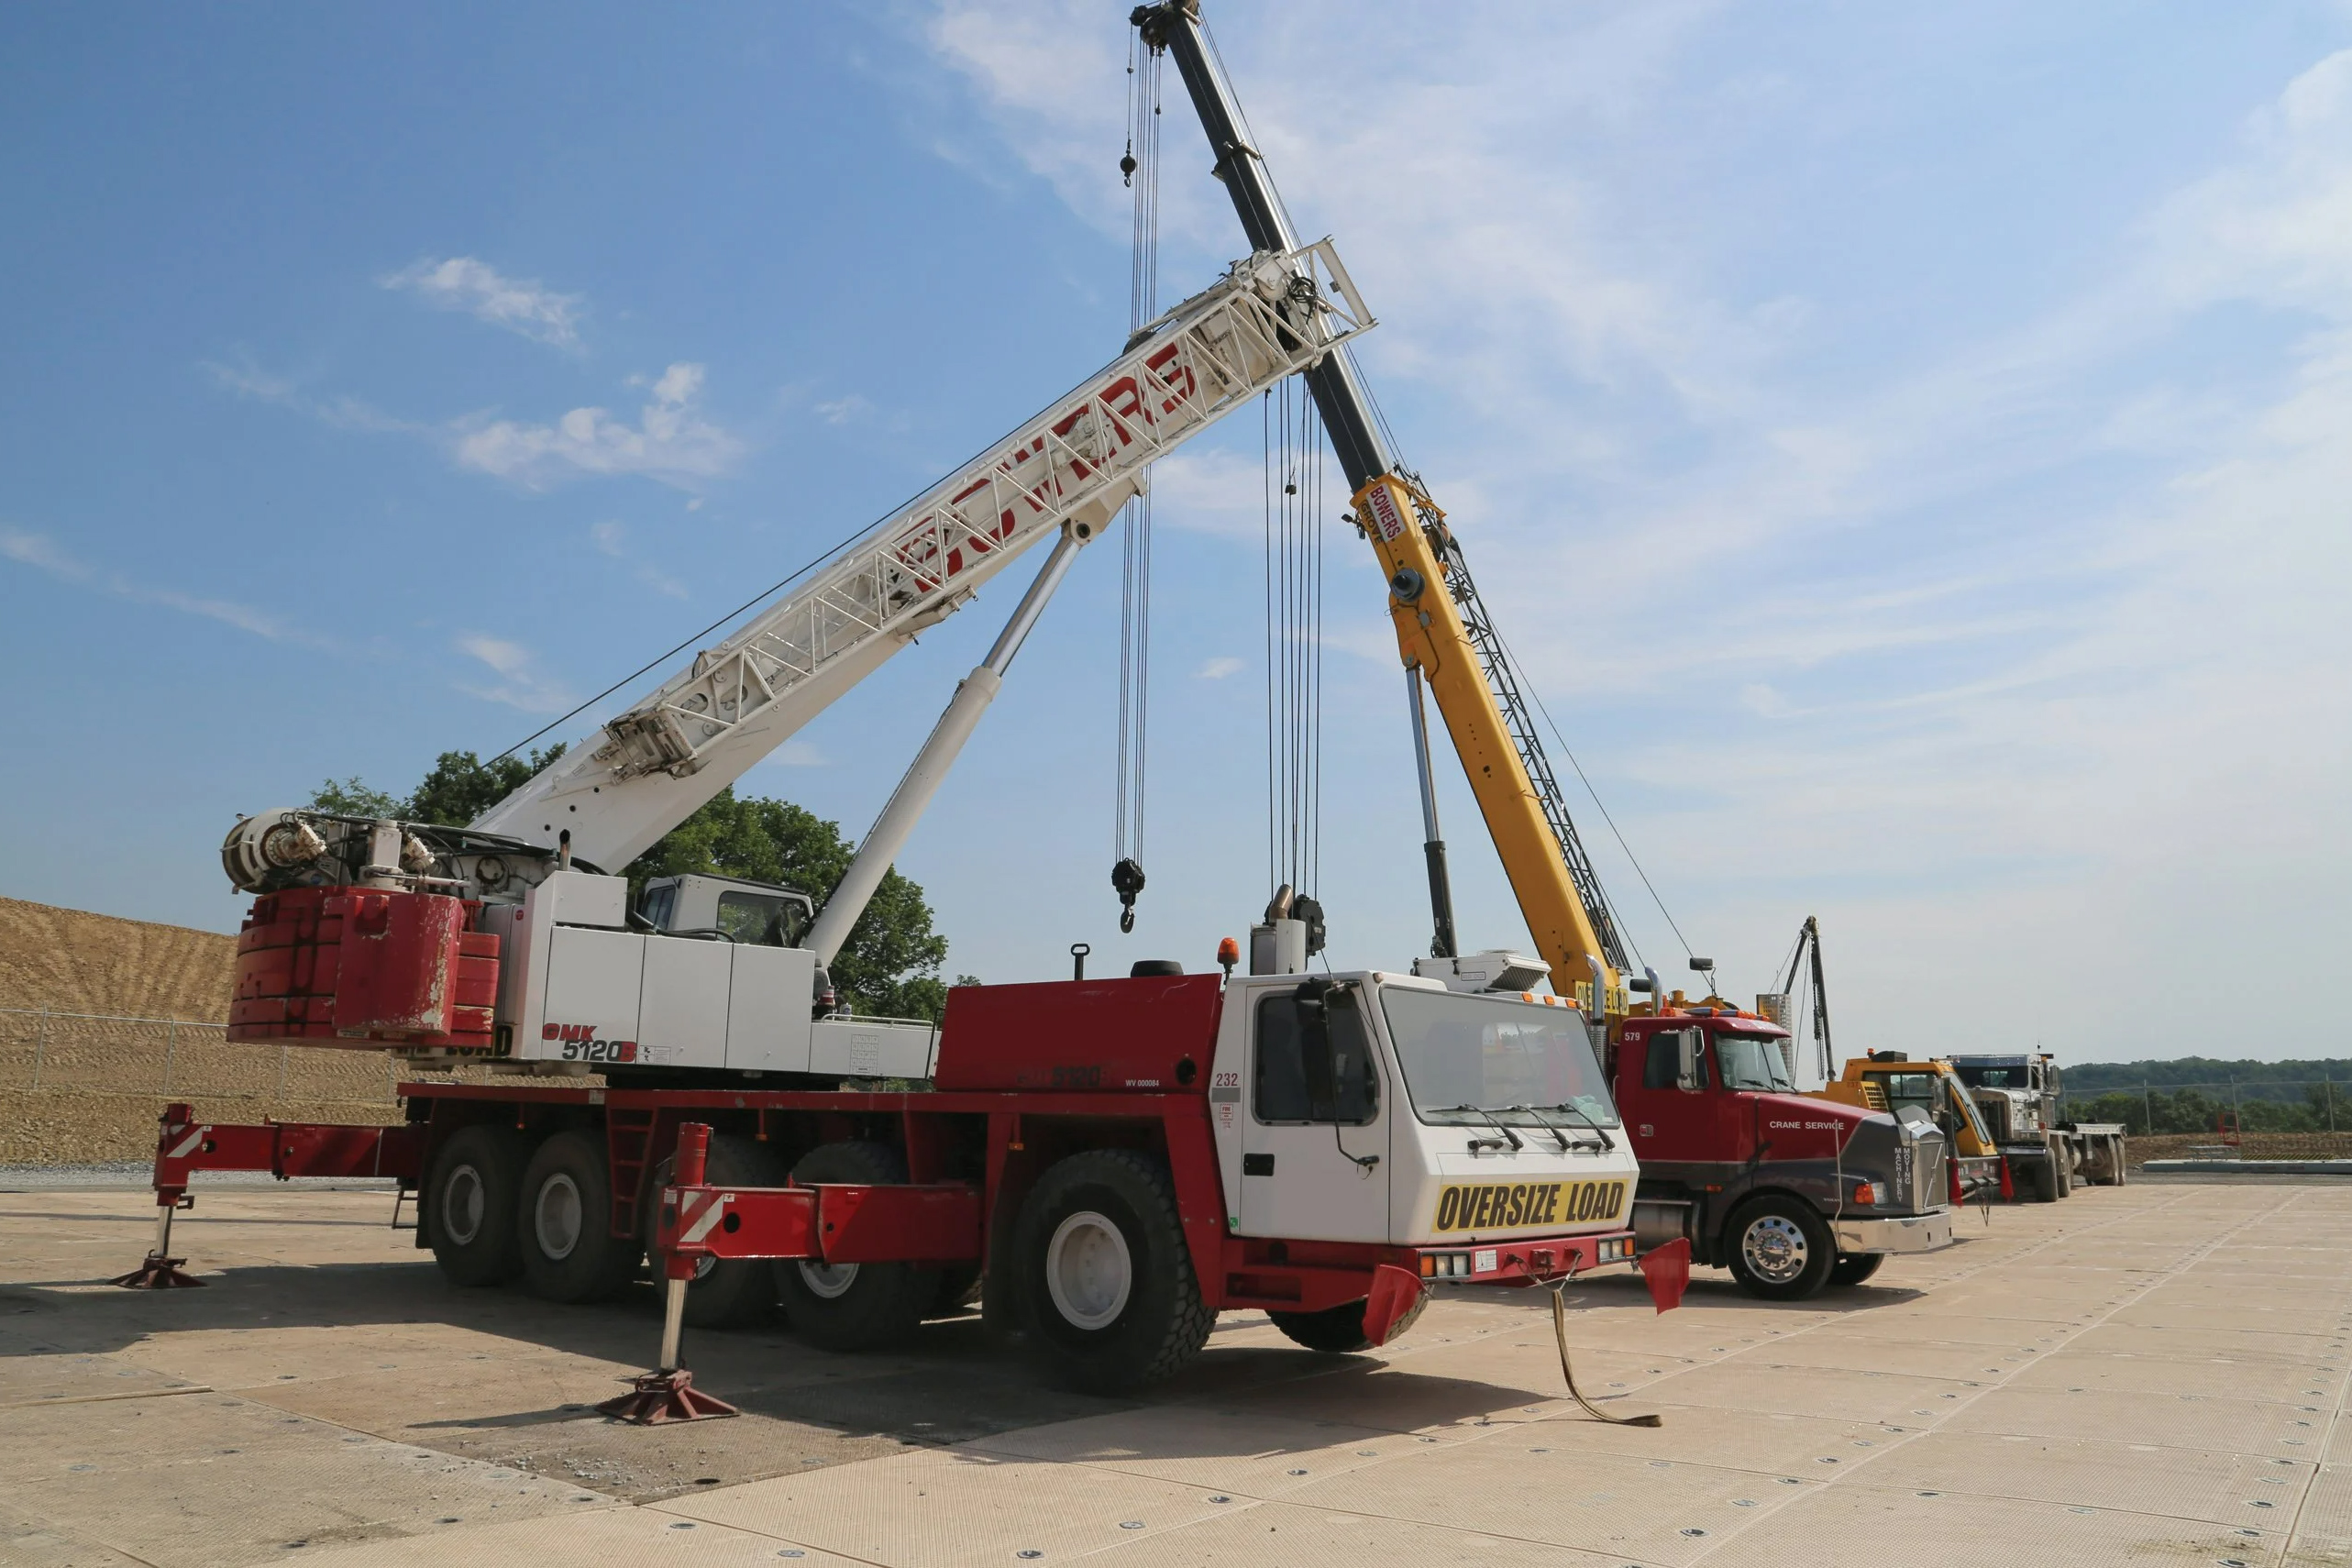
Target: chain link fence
2266	1118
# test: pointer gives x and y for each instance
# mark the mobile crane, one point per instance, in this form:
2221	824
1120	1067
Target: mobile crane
1113	1161
1789	1193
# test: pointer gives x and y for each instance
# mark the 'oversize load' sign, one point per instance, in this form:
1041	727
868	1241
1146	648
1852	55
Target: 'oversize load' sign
1502	1206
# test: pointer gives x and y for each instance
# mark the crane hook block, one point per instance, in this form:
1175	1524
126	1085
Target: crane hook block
1127	880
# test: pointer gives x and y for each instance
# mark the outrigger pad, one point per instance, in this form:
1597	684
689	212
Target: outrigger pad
660	1397
159	1274
1667	1271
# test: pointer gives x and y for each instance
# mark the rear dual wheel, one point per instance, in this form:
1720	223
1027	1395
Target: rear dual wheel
470	1203
855	1306
565	1223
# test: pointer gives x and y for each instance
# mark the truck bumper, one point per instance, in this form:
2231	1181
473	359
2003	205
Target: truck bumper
1896	1233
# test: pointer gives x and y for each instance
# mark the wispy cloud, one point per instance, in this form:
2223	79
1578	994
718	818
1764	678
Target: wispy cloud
525	307
40	552
248	380
1220	666
520	683
611	539
671	441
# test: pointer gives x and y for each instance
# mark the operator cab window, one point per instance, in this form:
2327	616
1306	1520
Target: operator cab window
760	919
658	906
1279	1093
1662	1068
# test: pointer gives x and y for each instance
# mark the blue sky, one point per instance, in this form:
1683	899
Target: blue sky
1906	447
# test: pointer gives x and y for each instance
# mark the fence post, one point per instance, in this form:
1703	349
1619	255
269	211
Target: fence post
2148	1106
2327	1085
170	1045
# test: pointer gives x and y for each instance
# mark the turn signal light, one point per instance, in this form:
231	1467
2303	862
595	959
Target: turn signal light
1866	1193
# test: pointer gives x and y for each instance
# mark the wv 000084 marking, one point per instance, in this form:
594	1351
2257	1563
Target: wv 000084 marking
1498	1206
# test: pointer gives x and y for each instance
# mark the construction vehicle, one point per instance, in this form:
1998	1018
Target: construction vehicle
2019	1098
1925	1090
1789	1193
1110	1162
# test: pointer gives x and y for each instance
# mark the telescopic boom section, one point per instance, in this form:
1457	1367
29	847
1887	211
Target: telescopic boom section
1442	628
1077	464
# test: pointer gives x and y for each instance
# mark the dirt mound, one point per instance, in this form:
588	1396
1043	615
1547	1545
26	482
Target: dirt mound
70	961
103	1022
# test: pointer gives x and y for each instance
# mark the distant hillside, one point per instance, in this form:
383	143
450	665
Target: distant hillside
73	962
2256	1080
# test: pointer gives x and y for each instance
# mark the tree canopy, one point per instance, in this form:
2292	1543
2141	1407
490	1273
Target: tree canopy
890	965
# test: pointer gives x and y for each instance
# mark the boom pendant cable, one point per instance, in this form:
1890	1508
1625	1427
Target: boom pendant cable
1141	158
1293	448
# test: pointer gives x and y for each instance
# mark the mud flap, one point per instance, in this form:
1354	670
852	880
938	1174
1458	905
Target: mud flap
1393	1292
1667	1271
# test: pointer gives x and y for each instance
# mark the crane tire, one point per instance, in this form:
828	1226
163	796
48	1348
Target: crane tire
1852	1268
469	1201
1779	1247
1339	1330
1103	1276
726	1293
958	1293
564	1222
2042	1176
853	1306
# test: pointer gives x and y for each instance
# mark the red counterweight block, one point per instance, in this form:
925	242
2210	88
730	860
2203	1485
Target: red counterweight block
362	966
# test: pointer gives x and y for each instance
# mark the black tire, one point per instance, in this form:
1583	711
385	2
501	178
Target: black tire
2116	1155
564	1224
2041	1180
2062	1160
469	1205
727	1293
853	1306
1104	1279
1779	1247
1335	1331
1852	1268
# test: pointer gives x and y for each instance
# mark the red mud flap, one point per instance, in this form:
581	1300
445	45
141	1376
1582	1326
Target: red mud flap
1667	1271
1395	1293
660	1398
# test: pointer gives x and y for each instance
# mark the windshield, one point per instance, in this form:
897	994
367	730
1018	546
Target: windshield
1991	1077
1751	1062
761	919
1489	1054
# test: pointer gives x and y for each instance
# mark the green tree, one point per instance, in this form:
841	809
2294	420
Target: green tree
891	964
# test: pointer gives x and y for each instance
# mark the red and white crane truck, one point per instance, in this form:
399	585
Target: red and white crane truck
1112	1162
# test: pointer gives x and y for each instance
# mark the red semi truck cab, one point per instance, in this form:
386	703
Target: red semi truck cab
1789	1193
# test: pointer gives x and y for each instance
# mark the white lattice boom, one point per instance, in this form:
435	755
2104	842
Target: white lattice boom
1077	463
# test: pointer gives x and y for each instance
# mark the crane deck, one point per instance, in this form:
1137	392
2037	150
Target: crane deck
2151	1374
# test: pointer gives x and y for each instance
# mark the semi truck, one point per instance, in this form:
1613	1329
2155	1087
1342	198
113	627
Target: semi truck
2019	1096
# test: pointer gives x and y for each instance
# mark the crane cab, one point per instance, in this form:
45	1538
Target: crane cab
762	915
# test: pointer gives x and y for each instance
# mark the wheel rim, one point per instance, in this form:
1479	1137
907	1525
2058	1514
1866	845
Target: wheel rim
1088	1271
462	1204
829	1281
1774	1250
555	1216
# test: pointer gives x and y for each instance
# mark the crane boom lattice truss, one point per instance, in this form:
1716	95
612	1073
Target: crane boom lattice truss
1272	315
1503	682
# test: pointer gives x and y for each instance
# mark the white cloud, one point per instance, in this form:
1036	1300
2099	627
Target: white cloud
607	536
526	307
671	441
841	410
38	551
1218	668
520	683
610	540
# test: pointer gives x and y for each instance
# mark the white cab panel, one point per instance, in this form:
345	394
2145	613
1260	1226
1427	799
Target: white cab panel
582	898
594	982
870	1048
682	1018
767	1010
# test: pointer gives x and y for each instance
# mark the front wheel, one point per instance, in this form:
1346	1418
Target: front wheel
1852	1268
2041	1175
470	1199
1779	1247
1106	1285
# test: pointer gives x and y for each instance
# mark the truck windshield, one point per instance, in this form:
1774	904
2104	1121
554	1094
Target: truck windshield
1750	1061
1975	1076
1468	1059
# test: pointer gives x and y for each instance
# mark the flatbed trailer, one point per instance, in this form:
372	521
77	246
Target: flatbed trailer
1095	1157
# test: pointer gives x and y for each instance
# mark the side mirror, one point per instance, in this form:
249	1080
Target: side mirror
1315	1045
1686	1059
